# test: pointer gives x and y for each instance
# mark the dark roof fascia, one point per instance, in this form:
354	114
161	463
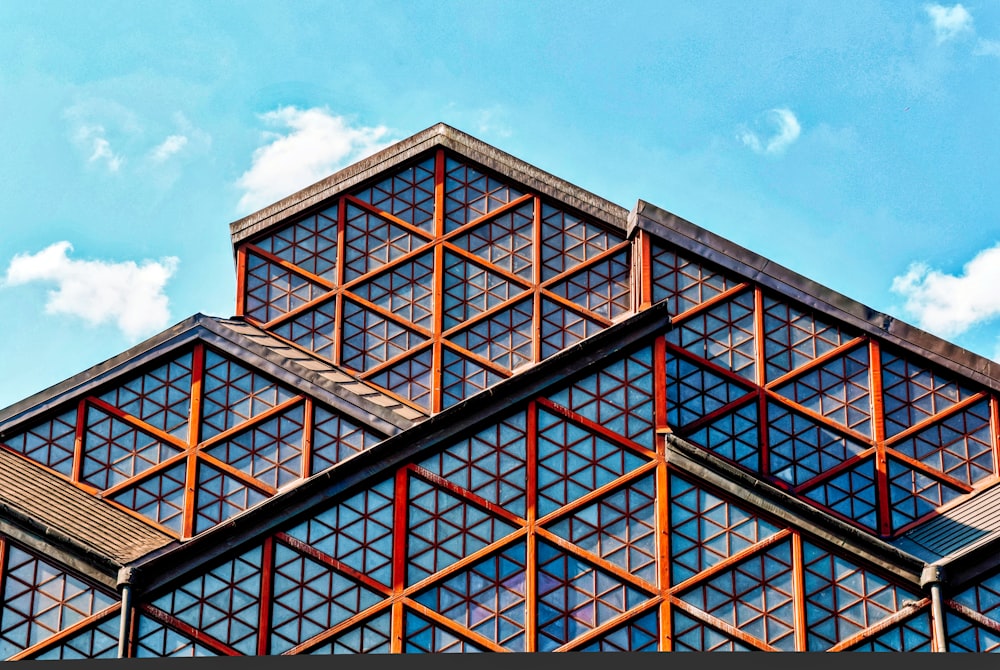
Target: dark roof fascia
745	487
211	331
160	568
439	135
745	263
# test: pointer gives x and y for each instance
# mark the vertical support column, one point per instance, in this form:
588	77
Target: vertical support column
878	436
241	280
437	354
760	378
531	514
307	438
81	422
536	278
338	306
663	544
799	594
266	580
399	505
642	266
194	432
995	432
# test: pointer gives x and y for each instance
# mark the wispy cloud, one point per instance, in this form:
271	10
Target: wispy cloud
946	304
949	22
167	148
128	294
315	143
987	48
782	128
92	139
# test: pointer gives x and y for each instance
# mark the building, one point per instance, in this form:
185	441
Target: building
464	405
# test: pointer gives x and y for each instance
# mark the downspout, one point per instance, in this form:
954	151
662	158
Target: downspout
125	576
931	579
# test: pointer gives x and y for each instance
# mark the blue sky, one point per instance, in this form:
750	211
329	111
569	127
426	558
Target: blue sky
856	143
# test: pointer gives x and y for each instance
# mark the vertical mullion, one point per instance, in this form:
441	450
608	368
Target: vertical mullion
663	544
241	280
194	433
536	278
307	438
878	435
995	432
799	594
644	269
267	576
760	350
531	515
400	495
437	298
81	421
338	307
660	384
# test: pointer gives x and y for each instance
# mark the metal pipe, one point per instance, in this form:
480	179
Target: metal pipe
931	578
125	576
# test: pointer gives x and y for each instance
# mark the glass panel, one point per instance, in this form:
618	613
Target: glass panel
233	394
963	635
407	195
620	528
983	597
563	328
793	337
161	397
371	242
837	390
755	597
683	282
97	640
912	635
309	598
694	392
311	244
371	339
912	494
40	599
159	497
573	461
471	194
504	338
371	637
312	329
491	464
689	634
959	446
115	451
409	378
423	637
642	634
843	599
724	335
800	448
575	598
705	529
442	529
850	493
505	241
618	397
461	378
272	290
407	291
220	496
271	452
153	639
488	598
336	438
470	290
223	603
604	288
568	241
733	436
913	392
50	443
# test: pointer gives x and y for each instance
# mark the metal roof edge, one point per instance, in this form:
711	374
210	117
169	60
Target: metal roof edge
752	266
438	135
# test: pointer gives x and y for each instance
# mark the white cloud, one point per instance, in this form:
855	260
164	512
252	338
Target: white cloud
128	294
784	130
948	305
93	140
987	48
316	144
949	22
168	148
